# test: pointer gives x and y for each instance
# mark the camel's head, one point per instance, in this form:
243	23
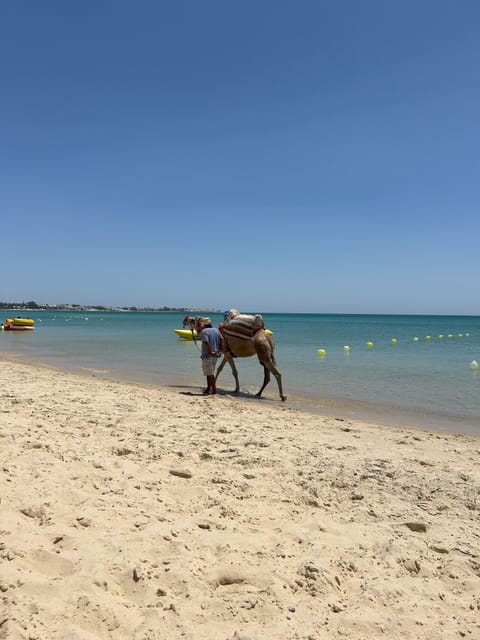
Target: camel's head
198	323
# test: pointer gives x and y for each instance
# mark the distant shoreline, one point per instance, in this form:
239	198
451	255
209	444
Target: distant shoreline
90	308
22	307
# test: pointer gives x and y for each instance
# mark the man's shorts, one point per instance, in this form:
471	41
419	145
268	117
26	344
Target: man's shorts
208	366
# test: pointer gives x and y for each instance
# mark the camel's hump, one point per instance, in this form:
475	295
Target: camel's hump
244	325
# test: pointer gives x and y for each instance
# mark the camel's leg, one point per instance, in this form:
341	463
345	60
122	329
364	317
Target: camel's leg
266	379
220	367
264	347
229	358
271	367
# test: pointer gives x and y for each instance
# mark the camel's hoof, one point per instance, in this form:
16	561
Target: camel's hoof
283	398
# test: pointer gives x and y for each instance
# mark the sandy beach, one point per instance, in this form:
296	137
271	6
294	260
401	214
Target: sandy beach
139	513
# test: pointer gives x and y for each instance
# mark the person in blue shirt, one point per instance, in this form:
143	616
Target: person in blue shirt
212	346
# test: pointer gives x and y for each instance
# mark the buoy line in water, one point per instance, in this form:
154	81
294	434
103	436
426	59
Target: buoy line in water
322	352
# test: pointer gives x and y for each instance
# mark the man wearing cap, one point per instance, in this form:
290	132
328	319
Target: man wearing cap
212	345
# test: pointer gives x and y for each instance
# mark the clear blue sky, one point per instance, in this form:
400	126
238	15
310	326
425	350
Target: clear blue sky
309	156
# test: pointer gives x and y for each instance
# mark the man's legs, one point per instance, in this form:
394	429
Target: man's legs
211	384
207	390
209	371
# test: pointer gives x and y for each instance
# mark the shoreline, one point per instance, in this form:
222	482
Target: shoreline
328	407
130	511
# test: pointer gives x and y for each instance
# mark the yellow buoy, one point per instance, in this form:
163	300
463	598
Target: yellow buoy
468	335
450	335
460	335
416	339
427	337
394	341
322	353
474	365
369	344
346	348
440	337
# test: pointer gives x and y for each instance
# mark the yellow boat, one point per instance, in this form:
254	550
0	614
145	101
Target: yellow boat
188	334
19	324
26	322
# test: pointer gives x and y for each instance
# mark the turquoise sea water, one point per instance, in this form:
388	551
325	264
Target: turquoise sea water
420	382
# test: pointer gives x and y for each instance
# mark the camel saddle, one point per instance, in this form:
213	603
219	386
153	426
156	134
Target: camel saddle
243	326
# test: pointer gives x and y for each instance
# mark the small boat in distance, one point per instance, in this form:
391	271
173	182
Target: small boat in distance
19	324
186	334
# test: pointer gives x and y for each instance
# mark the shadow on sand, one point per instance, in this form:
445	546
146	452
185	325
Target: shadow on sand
195	391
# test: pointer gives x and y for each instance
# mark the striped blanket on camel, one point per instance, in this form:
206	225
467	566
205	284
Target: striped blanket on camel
243	326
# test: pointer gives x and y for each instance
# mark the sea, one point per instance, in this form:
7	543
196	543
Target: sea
393	369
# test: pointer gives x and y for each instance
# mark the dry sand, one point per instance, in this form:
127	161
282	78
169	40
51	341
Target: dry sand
132	512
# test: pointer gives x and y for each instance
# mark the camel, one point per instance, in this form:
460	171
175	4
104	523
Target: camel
244	346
